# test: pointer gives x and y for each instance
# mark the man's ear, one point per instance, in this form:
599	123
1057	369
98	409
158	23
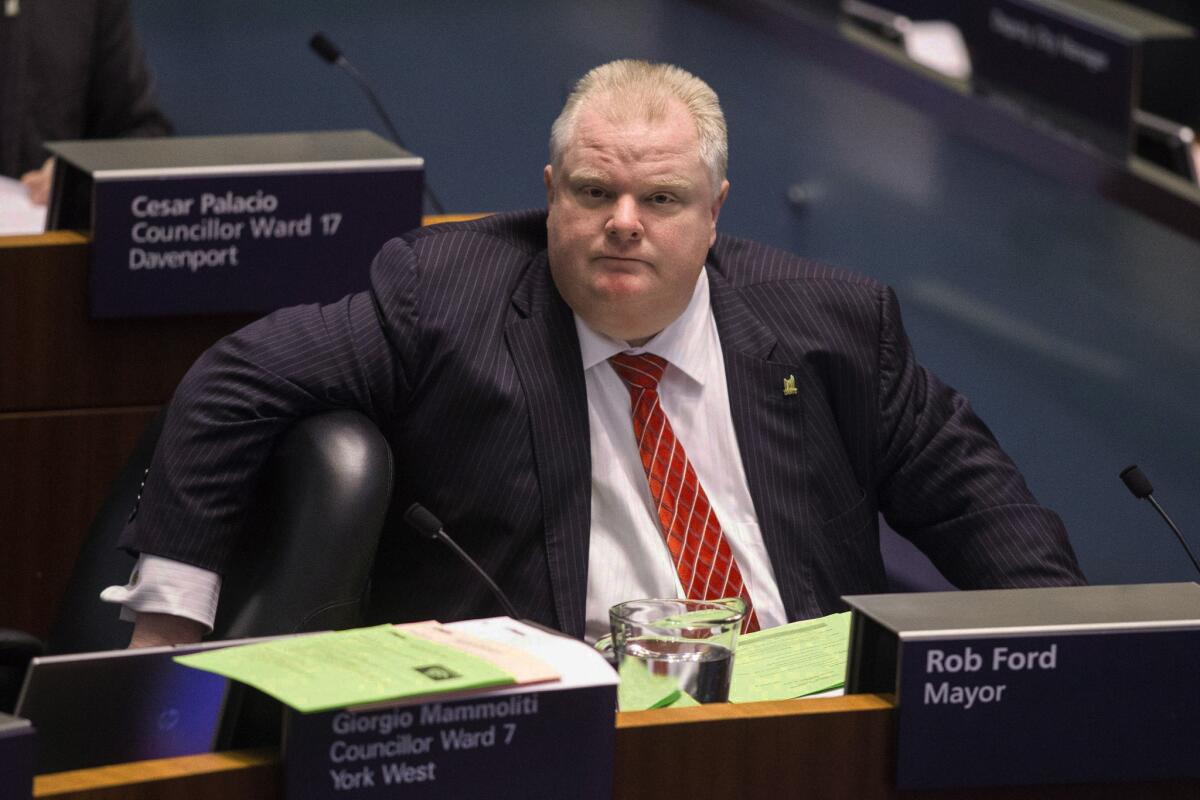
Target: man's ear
548	177
716	210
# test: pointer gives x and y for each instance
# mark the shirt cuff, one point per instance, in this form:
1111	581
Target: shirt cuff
162	586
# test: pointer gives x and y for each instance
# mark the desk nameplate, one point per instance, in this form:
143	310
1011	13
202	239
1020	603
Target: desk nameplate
1033	686
178	230
1048	708
16	757
548	743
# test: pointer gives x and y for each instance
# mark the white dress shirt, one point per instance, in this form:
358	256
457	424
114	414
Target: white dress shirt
164	586
628	557
627	554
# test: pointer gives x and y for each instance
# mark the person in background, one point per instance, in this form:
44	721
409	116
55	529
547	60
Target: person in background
69	69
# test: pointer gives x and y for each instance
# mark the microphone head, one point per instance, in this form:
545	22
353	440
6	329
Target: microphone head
1137	482
324	48
423	520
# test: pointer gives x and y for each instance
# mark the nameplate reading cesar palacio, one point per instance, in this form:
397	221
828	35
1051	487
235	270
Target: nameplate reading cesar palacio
946	669
224	220
405	745
239	243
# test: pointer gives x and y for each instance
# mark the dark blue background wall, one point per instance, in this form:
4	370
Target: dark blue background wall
1073	324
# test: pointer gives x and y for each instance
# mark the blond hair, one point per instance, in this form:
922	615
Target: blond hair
642	88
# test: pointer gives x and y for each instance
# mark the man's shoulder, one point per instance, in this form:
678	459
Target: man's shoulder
744	263
521	230
443	263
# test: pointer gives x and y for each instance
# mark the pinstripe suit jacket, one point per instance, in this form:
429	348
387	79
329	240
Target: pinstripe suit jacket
467	357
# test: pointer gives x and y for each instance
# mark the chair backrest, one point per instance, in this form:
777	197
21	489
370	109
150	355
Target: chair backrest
306	561
308	553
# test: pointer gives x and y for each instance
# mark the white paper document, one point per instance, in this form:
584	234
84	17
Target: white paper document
17	214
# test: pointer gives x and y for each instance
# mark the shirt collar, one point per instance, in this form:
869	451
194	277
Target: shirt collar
681	343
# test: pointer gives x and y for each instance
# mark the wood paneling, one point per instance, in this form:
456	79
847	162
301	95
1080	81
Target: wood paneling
250	774
75	393
53	356
784	749
55	468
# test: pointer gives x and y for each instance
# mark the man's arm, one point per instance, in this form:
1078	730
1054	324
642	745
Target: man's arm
232	407
945	483
159	587
154	630
237	400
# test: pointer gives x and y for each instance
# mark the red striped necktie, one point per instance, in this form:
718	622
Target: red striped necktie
701	553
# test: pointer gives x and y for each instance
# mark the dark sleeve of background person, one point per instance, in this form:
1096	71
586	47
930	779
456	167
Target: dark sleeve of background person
72	69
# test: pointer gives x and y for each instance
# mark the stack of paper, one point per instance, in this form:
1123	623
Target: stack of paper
794	660
17	214
393	662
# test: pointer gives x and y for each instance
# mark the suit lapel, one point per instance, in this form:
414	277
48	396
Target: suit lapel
545	348
768	419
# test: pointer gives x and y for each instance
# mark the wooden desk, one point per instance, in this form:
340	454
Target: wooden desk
75	394
839	748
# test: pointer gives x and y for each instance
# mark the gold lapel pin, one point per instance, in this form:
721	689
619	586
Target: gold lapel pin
789	386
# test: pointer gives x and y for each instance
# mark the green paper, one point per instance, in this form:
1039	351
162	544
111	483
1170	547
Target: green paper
640	689
791	660
349	668
684	700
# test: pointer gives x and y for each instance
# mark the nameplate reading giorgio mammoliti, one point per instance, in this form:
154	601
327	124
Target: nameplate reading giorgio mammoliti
555	742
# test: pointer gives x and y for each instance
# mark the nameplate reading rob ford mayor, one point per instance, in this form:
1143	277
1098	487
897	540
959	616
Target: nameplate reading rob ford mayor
233	224
1035	686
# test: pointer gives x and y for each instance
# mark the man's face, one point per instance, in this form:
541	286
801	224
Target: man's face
633	211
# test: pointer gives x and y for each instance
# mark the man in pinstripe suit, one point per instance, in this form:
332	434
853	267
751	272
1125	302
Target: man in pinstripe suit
482	350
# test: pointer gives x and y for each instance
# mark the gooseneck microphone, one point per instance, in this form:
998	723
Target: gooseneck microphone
328	51
429	526
1140	486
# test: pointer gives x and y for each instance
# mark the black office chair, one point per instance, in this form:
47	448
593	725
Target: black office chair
320	509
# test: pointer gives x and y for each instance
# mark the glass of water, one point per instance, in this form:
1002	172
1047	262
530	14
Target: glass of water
674	651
